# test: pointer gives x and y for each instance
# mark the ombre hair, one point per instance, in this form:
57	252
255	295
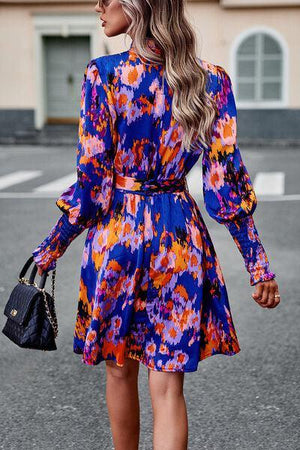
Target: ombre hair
165	22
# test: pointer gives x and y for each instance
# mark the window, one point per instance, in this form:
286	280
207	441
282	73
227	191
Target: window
259	69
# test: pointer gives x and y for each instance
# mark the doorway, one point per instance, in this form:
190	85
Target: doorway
65	62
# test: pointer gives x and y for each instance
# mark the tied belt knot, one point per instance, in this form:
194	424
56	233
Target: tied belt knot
149	186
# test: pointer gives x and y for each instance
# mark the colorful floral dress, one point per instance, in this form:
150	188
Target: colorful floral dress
151	285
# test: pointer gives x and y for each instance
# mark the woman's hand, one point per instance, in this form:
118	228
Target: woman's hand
265	292
40	271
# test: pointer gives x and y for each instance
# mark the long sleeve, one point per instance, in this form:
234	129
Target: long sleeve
228	191
89	198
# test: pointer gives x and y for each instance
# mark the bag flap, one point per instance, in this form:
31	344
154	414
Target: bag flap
20	301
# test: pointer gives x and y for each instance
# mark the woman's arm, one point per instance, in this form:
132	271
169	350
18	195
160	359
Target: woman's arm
227	188
89	198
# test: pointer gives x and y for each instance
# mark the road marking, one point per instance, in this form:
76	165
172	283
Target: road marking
268	186
265	183
28	195
269	183
278	198
194	181
58	185
20	176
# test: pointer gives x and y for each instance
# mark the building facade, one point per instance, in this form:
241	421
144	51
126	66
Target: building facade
45	46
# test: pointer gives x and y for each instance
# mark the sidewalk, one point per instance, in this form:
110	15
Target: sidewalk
49	135
53	135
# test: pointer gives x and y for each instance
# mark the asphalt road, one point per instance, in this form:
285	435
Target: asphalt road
248	401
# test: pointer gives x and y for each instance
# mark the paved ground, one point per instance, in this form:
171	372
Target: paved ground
248	401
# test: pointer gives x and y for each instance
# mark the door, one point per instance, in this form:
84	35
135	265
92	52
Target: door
65	62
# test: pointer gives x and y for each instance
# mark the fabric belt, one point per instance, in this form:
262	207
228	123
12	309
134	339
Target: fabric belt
149	186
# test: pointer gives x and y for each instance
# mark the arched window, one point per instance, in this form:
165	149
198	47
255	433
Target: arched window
259	69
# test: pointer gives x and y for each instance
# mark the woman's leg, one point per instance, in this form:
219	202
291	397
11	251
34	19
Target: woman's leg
170	424
123	403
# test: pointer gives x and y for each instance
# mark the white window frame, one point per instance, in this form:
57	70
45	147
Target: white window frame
59	25
264	104
258	3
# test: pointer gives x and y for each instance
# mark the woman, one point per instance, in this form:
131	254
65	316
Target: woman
151	287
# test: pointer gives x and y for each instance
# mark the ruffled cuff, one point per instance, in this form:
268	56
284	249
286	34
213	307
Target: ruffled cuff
56	243
261	275
43	258
246	237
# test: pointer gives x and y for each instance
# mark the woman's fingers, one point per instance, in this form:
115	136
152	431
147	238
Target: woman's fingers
272	297
276	300
39	270
265	294
258	292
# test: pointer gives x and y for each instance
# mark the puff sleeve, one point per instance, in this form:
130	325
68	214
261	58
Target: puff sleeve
89	198
228	192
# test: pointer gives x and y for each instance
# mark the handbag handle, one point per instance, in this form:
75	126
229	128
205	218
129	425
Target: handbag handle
42	280
25	267
33	273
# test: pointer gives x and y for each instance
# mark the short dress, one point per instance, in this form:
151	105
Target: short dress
151	286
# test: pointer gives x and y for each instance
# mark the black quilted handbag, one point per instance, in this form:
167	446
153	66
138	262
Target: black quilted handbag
30	311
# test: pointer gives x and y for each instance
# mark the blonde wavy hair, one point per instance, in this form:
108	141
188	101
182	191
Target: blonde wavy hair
165	22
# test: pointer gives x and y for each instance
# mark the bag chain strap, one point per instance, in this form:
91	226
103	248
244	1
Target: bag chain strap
52	319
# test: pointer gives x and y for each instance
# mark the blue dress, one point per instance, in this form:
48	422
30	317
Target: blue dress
151	285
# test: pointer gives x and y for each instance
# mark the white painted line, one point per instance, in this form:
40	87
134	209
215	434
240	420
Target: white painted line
194	181
278	198
58	185
20	176
28	195
269	183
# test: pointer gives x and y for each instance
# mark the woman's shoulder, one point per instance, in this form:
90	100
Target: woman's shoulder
217	75
213	69
208	65
107	63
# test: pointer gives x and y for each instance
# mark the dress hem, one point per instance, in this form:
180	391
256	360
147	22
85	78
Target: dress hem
143	361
